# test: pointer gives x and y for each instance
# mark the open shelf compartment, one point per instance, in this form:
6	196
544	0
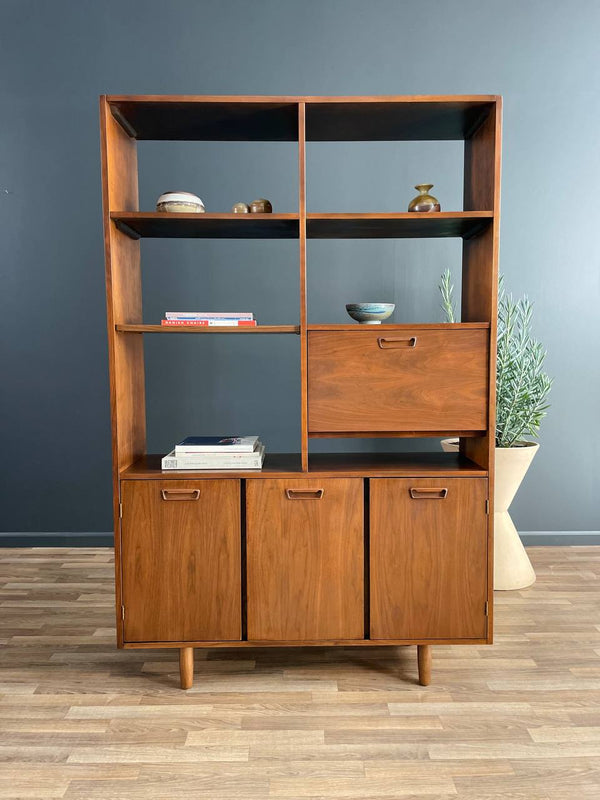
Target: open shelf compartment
162	225
324	465
464	224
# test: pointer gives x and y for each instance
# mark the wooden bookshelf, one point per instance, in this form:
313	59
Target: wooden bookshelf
346	548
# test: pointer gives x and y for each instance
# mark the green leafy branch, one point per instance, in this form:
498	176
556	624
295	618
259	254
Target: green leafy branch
522	386
446	288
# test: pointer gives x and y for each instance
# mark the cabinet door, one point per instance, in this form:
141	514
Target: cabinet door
428	548
305	549
411	380
181	562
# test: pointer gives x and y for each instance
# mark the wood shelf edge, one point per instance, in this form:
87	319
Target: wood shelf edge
393	215
291	99
141	328
394	434
242	218
299	643
401	326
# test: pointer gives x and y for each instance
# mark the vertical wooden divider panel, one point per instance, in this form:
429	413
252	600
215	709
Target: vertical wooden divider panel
480	288
303	301
124	304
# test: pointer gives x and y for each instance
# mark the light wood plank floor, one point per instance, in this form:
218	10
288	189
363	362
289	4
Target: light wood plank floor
82	720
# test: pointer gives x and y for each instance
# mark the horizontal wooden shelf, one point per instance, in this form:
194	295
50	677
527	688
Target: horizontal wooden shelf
140	328
393	434
282	465
434	225
402	326
163	225
259	118
401	225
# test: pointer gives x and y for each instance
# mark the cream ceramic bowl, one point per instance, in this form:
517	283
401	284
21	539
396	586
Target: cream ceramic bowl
180	202
370	313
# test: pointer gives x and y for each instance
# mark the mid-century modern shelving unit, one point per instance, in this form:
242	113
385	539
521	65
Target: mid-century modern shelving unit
346	549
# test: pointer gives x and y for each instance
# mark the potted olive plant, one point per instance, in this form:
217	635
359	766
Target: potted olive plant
522	389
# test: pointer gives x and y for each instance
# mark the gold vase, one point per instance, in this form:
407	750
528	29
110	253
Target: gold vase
424	201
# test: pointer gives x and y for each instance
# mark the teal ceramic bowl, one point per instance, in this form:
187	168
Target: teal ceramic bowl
370	313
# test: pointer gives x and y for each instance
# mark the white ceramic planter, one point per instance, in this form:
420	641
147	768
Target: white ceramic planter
512	567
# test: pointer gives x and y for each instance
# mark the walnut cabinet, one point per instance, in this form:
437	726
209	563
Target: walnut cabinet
352	548
305	543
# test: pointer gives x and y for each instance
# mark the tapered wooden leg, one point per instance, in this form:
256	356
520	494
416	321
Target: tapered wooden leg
424	659
186	667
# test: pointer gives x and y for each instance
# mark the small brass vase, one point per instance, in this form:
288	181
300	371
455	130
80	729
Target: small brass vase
424	201
261	206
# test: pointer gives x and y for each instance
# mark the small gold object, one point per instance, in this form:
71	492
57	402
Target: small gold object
261	206
424	201
240	208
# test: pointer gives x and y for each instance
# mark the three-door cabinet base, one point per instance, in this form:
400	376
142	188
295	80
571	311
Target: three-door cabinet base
186	665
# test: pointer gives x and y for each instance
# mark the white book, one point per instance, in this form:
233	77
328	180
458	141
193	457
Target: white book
209	315
216	444
239	461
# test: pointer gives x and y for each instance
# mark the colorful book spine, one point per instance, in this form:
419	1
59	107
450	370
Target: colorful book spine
209	315
241	461
211	323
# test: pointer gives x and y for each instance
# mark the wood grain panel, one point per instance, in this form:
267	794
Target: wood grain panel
305	559
480	284
480	257
302	286
181	545
428	557
123	305
355	384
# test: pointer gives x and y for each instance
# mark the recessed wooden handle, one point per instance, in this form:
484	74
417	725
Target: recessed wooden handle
388	344
304	494
428	494
180	494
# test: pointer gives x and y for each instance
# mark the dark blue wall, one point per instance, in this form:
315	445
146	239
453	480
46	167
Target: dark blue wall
56	58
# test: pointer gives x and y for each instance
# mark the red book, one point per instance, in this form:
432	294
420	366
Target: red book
210	323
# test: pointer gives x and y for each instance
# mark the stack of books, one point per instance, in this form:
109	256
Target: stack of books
216	452
210	318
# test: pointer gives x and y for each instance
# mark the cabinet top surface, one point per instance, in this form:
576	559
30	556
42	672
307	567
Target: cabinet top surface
333	465
275	99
